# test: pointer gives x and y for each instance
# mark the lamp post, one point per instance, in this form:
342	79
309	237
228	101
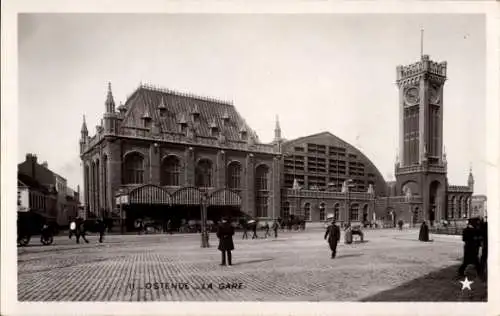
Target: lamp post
204	233
348	187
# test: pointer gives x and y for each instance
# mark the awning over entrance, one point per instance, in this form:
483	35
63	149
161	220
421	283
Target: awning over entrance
187	196
149	194
224	197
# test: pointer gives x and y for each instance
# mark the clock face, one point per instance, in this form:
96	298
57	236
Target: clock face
411	95
434	94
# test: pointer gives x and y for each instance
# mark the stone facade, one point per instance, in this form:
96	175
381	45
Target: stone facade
177	141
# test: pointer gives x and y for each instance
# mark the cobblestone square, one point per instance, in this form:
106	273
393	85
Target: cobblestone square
390	265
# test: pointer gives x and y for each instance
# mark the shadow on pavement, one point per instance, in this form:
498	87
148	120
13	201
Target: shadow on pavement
251	261
440	285
348	256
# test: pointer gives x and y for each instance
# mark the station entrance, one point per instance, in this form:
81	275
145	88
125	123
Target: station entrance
181	211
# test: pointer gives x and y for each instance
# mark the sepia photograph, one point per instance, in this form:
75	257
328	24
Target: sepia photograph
189	157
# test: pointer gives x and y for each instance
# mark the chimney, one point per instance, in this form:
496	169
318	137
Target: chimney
45	164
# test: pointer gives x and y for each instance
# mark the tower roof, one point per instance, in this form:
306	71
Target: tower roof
84	129
110	102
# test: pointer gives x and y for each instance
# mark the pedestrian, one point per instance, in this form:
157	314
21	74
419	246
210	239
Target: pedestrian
101	228
254	229
484	247
400	224
275	228
266	227
471	237
225	234
80	230
332	235
245	230
348	233
424	232
169	227
72	229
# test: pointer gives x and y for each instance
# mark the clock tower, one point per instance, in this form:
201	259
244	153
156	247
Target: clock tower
421	168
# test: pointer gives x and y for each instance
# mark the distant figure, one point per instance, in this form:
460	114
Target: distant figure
80	230
275	228
101	228
471	237
424	232
400	224
254	229
72	229
332	234
225	234
169	227
484	247
245	230
348	233
266	227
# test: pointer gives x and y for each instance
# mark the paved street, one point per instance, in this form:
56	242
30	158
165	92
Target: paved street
391	265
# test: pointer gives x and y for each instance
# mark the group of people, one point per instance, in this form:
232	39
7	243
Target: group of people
475	236
79	227
252	225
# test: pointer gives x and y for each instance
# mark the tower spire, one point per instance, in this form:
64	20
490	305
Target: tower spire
277	130
421	42
84	129
110	102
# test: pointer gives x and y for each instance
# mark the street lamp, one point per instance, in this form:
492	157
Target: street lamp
204	233
349	185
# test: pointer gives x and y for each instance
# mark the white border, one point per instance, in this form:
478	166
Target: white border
10	8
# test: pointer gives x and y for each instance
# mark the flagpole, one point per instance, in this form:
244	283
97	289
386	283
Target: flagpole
421	42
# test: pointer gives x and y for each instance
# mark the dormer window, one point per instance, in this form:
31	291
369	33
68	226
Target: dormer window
195	113
225	117
243	133
146	117
162	108
214	128
182	124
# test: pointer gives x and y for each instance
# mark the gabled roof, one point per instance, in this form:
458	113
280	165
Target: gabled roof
180	107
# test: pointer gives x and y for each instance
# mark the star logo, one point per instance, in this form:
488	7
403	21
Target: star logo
466	284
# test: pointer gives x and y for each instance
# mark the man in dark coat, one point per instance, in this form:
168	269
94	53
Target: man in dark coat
424	232
101	228
275	228
484	247
266	227
225	234
471	237
245	230
80	230
254	229
333	235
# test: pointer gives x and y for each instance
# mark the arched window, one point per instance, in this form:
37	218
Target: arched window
322	211
87	185
134	169
336	211
261	190
354	213
97	186
234	176
459	208
286	210
452	207
204	173
170	171
307	212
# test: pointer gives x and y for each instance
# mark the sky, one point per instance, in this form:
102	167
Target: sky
328	72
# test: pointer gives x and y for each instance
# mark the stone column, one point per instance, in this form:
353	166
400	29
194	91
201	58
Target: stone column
249	185
154	164
189	167
114	171
275	189
221	170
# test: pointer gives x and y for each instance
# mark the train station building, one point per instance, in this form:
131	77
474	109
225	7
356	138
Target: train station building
162	154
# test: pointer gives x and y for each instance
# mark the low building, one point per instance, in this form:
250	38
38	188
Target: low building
478	206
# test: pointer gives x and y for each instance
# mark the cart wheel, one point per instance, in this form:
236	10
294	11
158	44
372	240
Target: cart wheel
47	241
24	241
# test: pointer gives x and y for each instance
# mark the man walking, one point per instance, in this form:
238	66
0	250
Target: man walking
72	229
333	236
266	227
225	234
275	228
471	237
245	230
80	230
254	229
101	228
